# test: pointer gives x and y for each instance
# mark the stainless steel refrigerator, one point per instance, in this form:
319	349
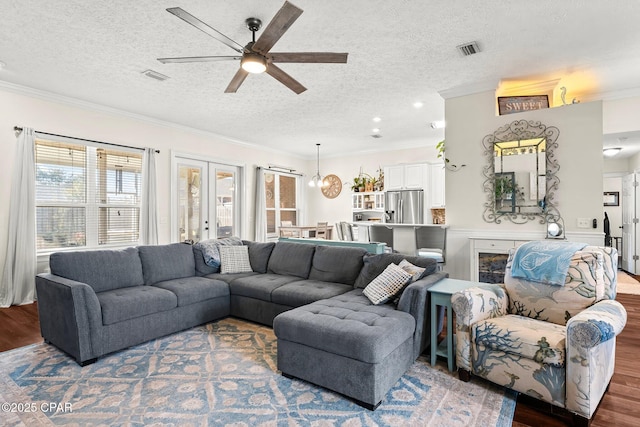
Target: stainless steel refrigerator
404	206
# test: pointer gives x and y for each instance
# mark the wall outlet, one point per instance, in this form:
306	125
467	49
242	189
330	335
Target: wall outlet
584	223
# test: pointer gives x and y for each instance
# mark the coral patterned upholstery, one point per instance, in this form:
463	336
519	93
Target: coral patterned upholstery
555	343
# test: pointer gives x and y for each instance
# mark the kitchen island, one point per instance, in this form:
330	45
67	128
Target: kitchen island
404	235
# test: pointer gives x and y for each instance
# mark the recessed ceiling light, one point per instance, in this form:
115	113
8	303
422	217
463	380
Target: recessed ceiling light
438	124
418	104
376	119
375	130
2	65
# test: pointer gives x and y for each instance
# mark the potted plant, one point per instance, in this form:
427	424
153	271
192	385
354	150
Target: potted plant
358	184
504	187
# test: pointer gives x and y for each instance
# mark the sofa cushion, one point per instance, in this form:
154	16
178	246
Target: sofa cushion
542	342
347	325
387	285
102	270
202	269
129	303
259	254
337	264
259	286
229	277
166	262
304	292
190	290
234	259
375	264
291	259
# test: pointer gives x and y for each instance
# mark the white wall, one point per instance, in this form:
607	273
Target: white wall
621	115
579	153
348	167
92	122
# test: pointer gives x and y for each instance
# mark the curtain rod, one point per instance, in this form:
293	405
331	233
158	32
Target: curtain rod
285	169
19	129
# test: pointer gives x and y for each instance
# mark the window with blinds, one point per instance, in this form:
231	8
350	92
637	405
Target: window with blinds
86	196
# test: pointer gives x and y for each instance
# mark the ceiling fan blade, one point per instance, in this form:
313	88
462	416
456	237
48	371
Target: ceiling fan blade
310	57
190	19
198	59
285	79
236	81
280	23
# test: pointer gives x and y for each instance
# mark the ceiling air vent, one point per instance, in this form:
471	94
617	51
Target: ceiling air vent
376	135
468	48
155	75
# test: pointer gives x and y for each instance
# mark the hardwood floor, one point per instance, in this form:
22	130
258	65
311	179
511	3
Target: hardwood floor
619	407
19	326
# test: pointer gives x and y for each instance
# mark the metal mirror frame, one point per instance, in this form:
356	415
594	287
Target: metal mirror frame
522	130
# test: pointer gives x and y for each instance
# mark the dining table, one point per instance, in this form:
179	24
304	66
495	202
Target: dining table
304	231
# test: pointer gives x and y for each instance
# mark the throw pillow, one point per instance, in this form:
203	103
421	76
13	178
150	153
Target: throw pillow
234	259
413	270
211	249
384	287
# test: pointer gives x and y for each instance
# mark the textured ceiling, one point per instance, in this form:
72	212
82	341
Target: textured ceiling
399	52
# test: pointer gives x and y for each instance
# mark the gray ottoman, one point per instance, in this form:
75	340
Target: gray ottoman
347	345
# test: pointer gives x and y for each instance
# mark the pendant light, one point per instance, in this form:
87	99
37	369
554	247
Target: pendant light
317	180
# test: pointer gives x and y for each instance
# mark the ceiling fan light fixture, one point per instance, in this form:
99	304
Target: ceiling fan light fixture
253	63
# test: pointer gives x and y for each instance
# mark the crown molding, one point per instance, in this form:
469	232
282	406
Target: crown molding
508	88
86	105
463	90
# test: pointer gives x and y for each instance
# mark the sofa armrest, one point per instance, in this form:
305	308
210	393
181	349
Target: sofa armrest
70	316
471	306
590	358
414	300
596	324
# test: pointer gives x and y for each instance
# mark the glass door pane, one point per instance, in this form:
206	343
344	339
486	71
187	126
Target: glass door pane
192	193
225	184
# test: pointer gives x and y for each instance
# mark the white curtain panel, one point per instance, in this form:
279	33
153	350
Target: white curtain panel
261	207
18	284
149	212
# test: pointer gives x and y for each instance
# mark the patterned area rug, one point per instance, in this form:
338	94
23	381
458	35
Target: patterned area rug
223	374
627	284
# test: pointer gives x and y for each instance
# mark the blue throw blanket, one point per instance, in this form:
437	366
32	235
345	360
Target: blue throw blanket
544	261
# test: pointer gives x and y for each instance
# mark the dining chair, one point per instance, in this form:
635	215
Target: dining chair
338	229
347	231
321	230
288	232
382	234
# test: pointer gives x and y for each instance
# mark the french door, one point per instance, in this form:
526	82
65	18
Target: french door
207	205
629	223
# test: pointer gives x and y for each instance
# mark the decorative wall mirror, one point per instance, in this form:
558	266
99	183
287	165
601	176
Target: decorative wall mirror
521	173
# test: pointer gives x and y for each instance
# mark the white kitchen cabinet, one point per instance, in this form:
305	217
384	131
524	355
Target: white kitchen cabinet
393	177
436	185
370	201
405	177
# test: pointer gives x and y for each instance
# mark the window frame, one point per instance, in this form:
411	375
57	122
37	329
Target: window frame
276	197
91	204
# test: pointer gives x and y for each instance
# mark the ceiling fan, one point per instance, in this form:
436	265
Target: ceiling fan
256	56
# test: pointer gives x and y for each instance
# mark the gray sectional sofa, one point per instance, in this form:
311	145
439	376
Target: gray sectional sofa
96	302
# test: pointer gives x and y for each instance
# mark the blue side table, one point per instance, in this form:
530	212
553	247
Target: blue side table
441	296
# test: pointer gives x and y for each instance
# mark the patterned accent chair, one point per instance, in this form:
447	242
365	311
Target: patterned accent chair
554	343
